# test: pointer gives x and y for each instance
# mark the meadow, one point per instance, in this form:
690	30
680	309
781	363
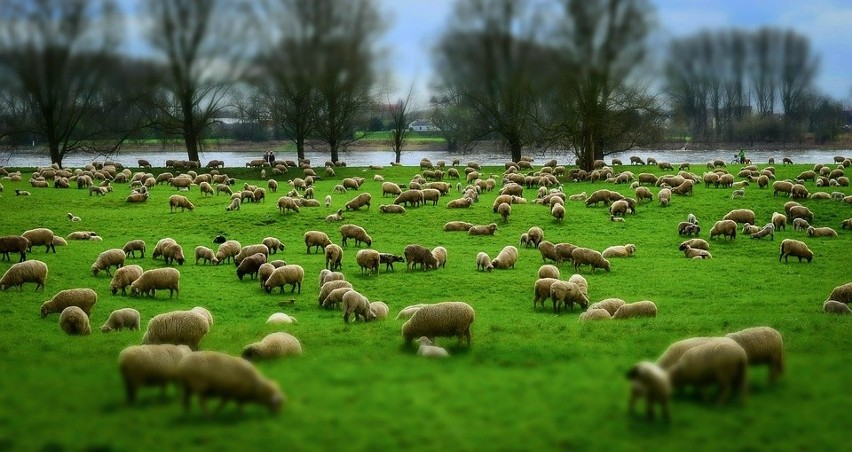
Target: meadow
532	380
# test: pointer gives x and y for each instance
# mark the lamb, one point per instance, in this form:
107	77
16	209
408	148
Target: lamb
359	201
24	272
357	304
388	259
40	237
428	350
217	374
379	309
650	381
368	260
725	228
334	257
417	254
281	318
567	293
228	250
800	224
594	314
639	309
273	244
205	254
409	311
721	361
795	248
763	345
483	262
149	365
836	307
123	277
316	239
181	201
329	287
81	235
694	253
821	232
73	218
506	258
548	271
121	318
251	265
482	229
131	247
440	254
356	232
288	274
338	216
335	297
178	328
14	244
74	321
586	256
234	205
749	229
842	293
610	305
741	216
107	259
620	251
451	318
275	345
457	226
158	278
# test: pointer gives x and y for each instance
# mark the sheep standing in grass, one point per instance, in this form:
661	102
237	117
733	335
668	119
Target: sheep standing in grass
74	321
335	298
84	299
329	287
417	254
123	277
429	350
779	220
620	251
359	201
665	197
250	250
132	246
273	244
586	256
541	291
725	228
610	305
234	205
181	201
202	253
639	309
275	345
158	278
40	237
316	239
149	365
548	271
334	257
483	262
450	318
356	232
651	382
567	293
357	304
721	361
288	274
507	258
800	224
763	345
14	244
215	374
795	248
842	293
836	307
379	309
107	259
368	260
767	230
121	318
24	272
178	328
250	265
228	250
557	211
440	254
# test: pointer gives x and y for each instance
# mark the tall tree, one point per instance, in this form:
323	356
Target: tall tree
54	63
400	118
455	121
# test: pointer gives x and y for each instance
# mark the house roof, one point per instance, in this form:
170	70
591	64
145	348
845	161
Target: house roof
421	123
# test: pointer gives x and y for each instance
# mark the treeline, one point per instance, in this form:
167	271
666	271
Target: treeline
566	74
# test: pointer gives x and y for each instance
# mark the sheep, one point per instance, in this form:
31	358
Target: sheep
440	254
409	311
121	318
694	253
40	237
749	229
388	259
228	250
558	212
338	216
450	318
74	321
483	262
251	265
391	208
800	224
275	345
741	216
720	361
567	293
779	220
357	304
457	226
548	271
428	350
687	228
22	192
506	258
379	309
205	254
650	381
59	241
412	197
123	277
391	189
638	309
73	218
329	287
24	272
356	232
836	307
316	239
328	200
149	365
763	345
159	278
273	244
460	203
107	259
183	202
482	229
368	260
664	196
286	203
594	314
725	228
85	299
842	293
131	247
795	248
335	297
821	232
767	230
619	251
610	305
178	328
14	244
279	318
288	274
541	291
586	256
359	201
673	352
217	374
333	257
801	212
417	254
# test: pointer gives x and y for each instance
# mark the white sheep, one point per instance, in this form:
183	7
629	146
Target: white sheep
507	258
112	257
795	248
74	321
121	318
619	251
177	327
40	237
275	345
158	278
84	299
638	309
202	253
450	318
330	286
548	271
282	276
149	365
379	309
763	345
651	382
24	272
357	304
440	254
610	305
124	277
280	318
428	350
594	314
409	311
483	262
587	256
842	293
567	293
581	282
721	361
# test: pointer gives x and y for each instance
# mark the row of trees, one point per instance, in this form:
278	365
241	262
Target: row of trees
566	74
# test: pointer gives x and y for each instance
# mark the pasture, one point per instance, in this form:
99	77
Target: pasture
531	380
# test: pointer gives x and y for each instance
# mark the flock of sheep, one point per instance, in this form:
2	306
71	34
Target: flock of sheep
169	350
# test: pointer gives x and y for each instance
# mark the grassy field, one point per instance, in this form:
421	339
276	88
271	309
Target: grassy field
532	380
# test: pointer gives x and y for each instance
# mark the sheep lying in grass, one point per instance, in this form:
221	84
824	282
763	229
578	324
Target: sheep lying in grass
651	382
620	251
483	229
457	226
84	299
638	309
694	253
379	309
741	216
275	345
74	321
429	350
149	365
280	318
795	248
177	327
335	216
821	232
610	305
763	345
720	362
121	318
391	208
594	314
446	319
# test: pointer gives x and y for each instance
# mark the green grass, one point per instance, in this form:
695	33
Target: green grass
532	380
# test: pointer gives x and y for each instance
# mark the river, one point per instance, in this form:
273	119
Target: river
28	158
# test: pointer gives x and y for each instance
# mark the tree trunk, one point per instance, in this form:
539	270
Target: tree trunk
333	147
398	153
515	147
191	146
55	155
300	148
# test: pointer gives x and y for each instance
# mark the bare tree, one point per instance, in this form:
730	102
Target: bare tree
400	118
455	122
54	63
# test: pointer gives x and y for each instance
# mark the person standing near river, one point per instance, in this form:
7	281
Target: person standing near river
742	156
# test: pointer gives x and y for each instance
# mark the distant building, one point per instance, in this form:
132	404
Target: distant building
421	125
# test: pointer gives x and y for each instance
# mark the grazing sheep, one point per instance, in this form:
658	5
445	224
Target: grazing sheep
795	248
721	361
107	259
158	278
84	299
206	254
409	311
149	365
328	200
228	250
725	228
391	208
836	307
779	220
40	237
506	258
356	232
763	345
251	265
123	277
686	228
639	309
121	318
594	314
14	244
767	230
357	304
359	201
130	248
183	202
483	262
389	188
275	345
620	251
800	224
541	291
316	239
286	203
821	232
24	272
665	197
548	251
417	254
368	260
379	309
842	293
694	253
457	226
280	318
558	212
333	257
440	254
388	259
446	319
741	216
586	256
74	321
696	244
178	328
482	229
335	298
215	374
749	229
273	244
330	286
801	212
673	352
620	207
288	274
548	271
412	197
567	293
610	305
651	382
